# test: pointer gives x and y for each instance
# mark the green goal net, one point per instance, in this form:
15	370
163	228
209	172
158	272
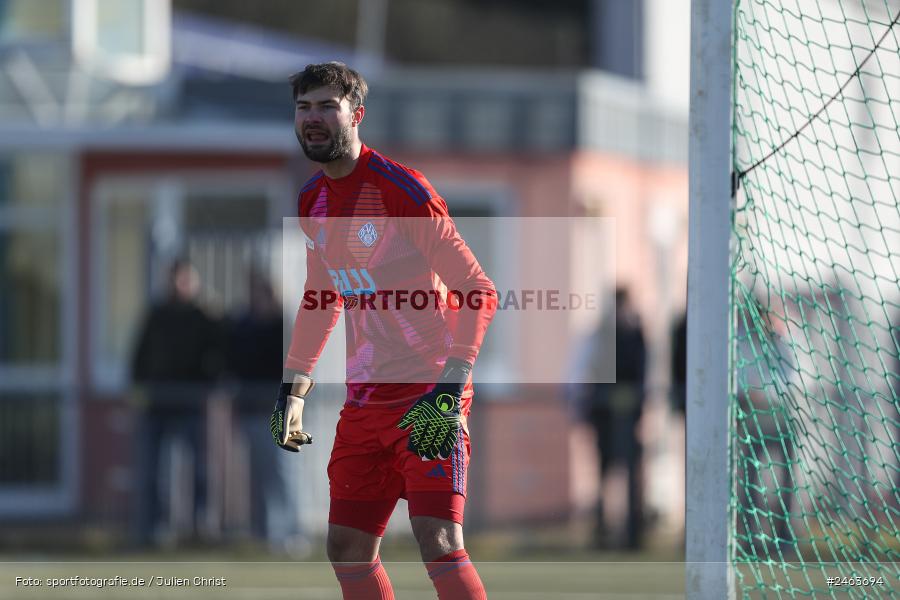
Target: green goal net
815	431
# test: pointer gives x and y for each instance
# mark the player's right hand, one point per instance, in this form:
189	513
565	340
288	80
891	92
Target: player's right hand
435	418
286	423
435	421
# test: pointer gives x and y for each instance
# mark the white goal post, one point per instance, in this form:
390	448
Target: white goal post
708	472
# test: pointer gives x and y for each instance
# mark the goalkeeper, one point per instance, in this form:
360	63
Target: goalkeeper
376	228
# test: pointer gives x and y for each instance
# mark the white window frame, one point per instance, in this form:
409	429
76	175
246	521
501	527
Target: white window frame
111	376
133	69
25	500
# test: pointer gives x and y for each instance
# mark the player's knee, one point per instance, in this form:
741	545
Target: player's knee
337	549
436	537
345	545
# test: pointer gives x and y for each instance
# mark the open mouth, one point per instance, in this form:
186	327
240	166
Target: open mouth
316	136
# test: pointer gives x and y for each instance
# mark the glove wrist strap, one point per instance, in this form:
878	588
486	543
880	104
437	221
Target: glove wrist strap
298	384
455	375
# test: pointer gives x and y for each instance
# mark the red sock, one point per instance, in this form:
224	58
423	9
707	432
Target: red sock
360	581
455	578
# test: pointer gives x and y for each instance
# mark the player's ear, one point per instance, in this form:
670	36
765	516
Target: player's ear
358	115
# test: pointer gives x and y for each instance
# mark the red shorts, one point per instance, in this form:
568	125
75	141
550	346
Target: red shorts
371	468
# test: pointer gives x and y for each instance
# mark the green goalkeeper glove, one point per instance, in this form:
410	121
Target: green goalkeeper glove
286	423
435	417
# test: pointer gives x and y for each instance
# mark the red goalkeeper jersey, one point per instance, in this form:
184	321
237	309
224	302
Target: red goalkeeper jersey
382	247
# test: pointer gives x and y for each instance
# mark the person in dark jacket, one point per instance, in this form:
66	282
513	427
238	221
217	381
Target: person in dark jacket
679	365
254	355
614	410
176	361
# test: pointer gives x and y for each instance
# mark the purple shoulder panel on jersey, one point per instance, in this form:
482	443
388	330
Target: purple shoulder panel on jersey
401	178
311	183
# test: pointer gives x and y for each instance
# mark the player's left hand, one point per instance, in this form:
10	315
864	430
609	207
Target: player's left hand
286	423
435	417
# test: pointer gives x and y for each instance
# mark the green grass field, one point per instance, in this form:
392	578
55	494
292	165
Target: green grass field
538	566
315	580
525	564
552	563
239	576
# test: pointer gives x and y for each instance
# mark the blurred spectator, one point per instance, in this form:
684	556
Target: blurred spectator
176	361
614	410
255	355
893	376
765	444
679	365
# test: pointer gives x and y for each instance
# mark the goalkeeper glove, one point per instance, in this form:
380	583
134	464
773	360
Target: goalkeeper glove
435	417
287	418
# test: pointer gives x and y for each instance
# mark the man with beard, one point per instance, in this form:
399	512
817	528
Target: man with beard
378	230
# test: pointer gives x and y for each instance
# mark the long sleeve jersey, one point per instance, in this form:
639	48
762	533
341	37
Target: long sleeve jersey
381	246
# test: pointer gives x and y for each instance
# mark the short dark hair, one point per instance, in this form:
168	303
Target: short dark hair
331	74
178	264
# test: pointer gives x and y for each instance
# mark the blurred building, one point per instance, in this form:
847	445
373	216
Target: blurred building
129	135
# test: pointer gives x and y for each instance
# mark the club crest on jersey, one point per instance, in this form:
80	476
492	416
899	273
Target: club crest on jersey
367	234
